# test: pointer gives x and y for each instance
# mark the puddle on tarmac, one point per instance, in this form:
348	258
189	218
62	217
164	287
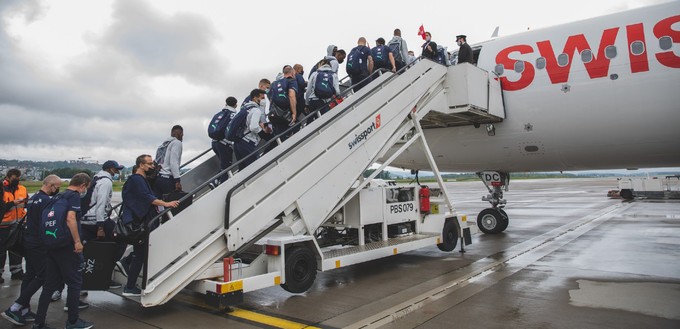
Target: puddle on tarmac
650	298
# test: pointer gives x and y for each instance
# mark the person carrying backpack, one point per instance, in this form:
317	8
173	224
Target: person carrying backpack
283	108
443	55
218	125
96	204
169	158
34	252
382	56
244	129
301	109
96	207
359	65
322	89
60	234
399	49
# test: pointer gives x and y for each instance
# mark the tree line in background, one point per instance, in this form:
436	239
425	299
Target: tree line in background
66	172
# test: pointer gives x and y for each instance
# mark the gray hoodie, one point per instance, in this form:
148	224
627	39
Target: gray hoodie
173	158
329	50
332	59
312	81
101	200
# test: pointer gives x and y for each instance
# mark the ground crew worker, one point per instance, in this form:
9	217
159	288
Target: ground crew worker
15	197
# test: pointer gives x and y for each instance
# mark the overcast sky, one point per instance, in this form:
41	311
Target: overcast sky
108	79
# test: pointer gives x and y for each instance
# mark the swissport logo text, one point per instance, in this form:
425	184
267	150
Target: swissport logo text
364	134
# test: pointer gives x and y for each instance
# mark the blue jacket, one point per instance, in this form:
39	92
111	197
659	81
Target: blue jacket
137	198
34	209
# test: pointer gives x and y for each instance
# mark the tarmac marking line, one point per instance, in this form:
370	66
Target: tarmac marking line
269	320
577	228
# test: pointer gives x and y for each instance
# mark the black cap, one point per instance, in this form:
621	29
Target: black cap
112	164
461	36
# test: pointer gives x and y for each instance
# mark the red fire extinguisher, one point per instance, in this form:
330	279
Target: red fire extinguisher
424	199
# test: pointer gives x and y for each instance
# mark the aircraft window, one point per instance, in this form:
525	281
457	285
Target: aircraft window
498	69
665	43
637	48
540	63
531	148
562	59
587	56
519	66
610	52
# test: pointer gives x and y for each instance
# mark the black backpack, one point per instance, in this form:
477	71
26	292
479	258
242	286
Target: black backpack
2	203
442	56
324	85
237	129
54	232
279	93
381	57
219	123
85	201
354	61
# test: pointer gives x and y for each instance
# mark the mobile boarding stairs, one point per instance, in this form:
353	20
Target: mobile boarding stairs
313	181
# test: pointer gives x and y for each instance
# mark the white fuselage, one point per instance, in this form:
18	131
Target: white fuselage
609	113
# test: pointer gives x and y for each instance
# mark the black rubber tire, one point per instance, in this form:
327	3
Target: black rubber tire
506	219
490	221
626	194
300	270
450	236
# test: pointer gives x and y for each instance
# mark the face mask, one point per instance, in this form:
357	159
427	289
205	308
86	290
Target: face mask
302	72
427	39
82	194
14	183
116	177
266	91
55	192
460	43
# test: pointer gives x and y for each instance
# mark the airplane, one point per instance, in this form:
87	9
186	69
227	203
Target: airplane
612	106
600	93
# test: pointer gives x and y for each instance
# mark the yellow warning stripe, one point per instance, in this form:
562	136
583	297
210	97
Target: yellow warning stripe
269	320
223	288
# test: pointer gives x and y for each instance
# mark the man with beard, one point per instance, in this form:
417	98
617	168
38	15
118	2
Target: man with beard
139	204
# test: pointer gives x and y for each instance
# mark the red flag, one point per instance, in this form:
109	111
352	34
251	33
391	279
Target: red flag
421	32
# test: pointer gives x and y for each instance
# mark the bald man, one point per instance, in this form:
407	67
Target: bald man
34	253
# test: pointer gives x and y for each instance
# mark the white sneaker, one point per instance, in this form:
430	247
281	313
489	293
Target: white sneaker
56	296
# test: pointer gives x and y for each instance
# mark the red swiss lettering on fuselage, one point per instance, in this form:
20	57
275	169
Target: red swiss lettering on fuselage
598	67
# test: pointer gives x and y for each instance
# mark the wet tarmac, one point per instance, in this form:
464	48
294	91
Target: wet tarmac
570	258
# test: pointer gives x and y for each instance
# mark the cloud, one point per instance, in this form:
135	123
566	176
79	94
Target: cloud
106	99
143	43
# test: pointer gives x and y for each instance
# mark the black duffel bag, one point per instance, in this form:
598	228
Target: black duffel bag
15	237
133	232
